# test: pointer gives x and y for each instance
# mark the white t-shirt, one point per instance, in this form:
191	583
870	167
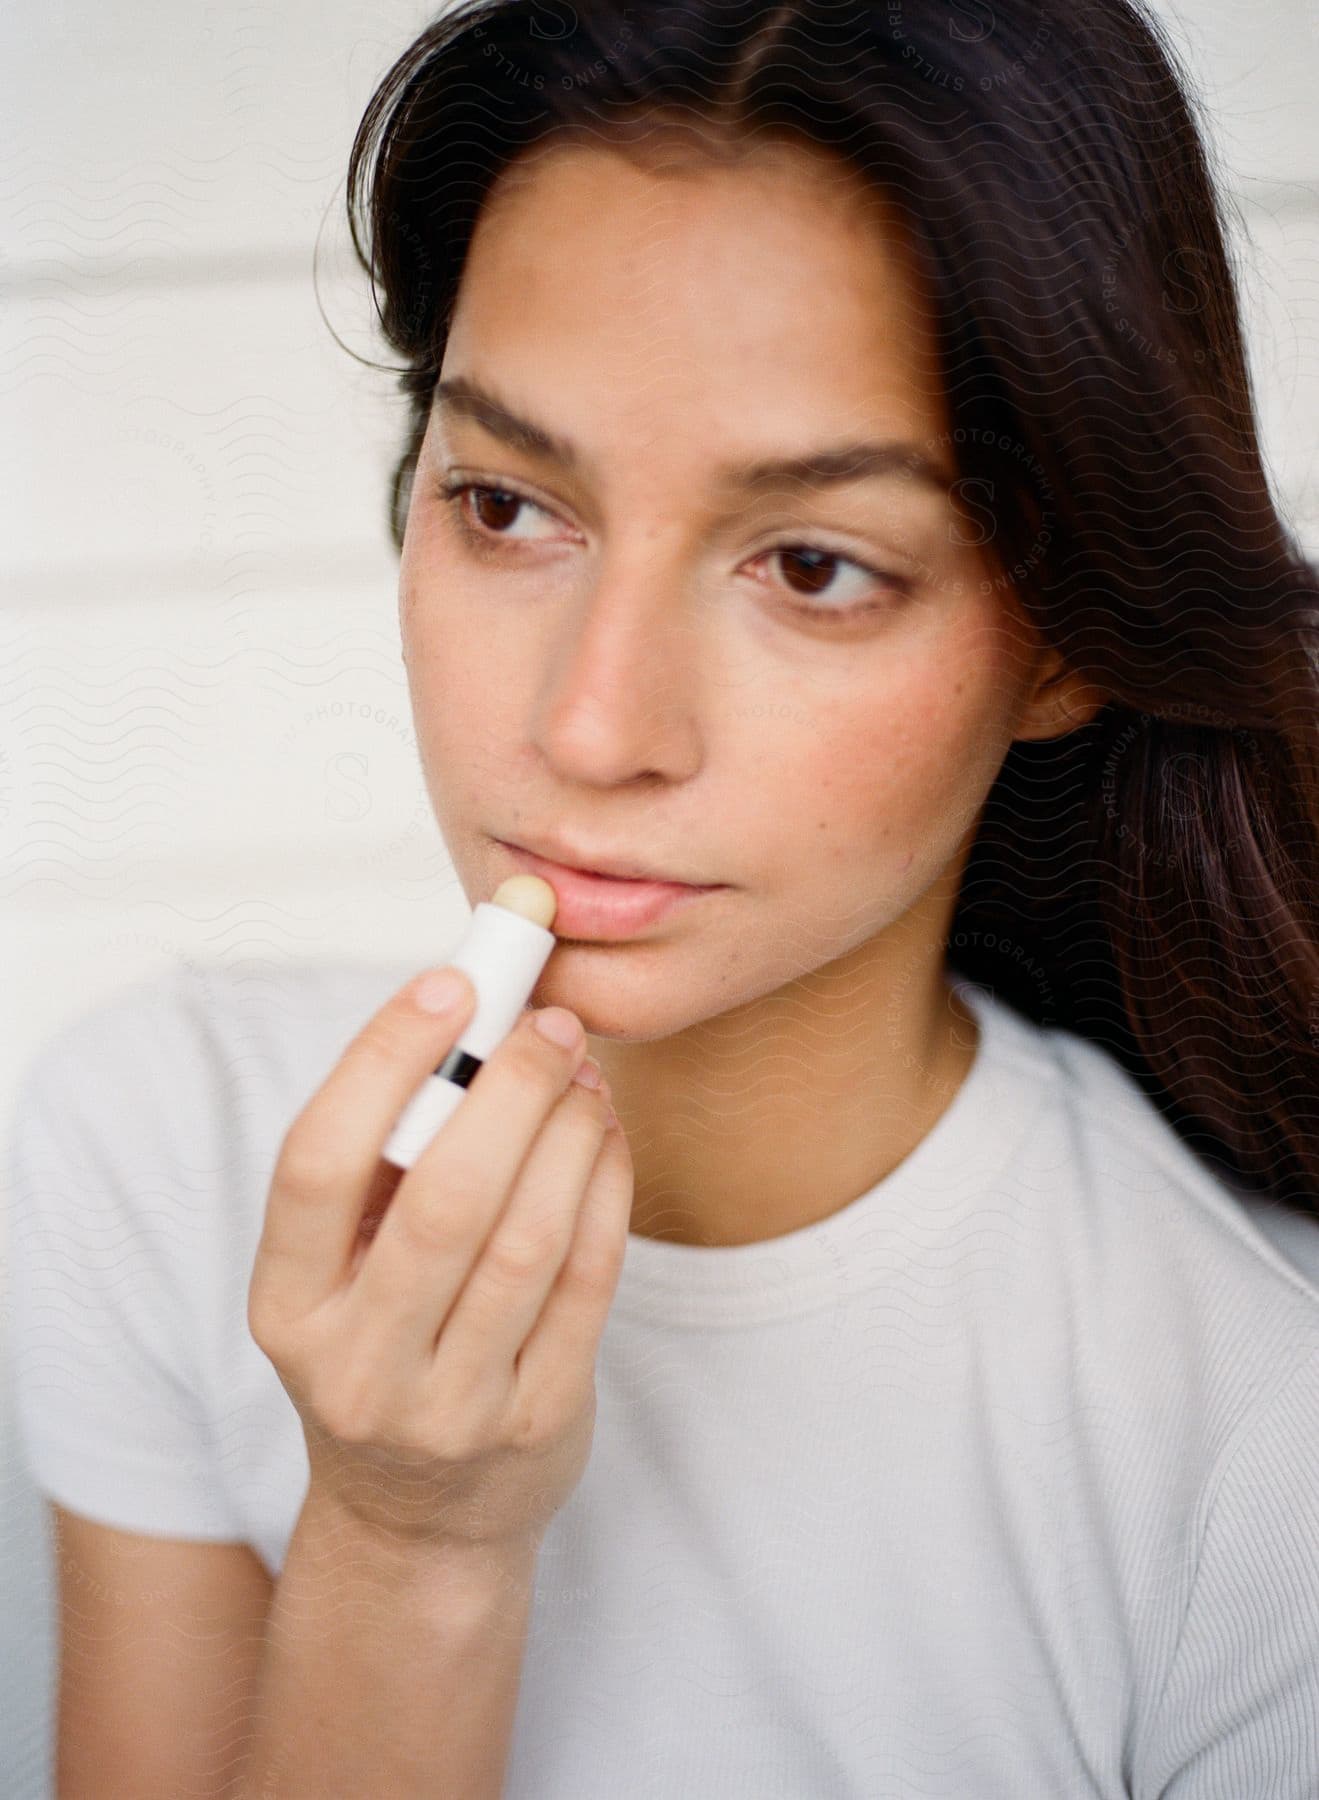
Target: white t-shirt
1002	1481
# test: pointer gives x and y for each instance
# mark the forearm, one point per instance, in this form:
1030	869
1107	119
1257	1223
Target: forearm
388	1673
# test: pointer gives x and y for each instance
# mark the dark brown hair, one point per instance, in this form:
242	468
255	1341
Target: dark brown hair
1147	880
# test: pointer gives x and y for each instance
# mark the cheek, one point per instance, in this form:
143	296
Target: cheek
454	702
897	773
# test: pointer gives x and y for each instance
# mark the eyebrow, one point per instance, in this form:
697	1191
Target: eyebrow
831	465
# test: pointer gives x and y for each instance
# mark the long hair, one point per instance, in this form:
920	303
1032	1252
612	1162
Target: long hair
1149	879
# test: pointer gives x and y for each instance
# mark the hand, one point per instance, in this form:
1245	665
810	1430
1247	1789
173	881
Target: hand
436	1328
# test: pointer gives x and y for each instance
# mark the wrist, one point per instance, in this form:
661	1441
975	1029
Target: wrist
442	1567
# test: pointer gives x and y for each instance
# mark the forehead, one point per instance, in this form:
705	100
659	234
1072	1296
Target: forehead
778	281
786	199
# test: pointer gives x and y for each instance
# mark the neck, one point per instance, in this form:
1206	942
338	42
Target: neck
771	1117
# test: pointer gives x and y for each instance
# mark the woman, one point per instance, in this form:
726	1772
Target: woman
832	487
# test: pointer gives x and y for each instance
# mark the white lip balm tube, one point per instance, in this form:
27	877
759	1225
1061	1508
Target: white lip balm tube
506	945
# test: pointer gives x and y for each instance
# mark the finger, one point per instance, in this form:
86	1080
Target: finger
444	1207
558	1357
503	1296
380	1191
329	1159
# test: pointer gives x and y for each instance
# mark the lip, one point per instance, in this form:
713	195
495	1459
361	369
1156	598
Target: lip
605	907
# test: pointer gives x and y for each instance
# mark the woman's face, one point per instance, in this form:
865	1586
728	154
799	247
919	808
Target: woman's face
801	690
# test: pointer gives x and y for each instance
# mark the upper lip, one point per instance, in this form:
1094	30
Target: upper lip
590	862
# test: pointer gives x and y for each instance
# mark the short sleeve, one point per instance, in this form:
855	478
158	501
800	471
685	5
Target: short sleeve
102	1243
1239	1714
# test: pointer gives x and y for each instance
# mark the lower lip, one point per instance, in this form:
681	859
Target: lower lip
600	906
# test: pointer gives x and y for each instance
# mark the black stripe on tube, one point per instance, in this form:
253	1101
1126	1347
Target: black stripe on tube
459	1067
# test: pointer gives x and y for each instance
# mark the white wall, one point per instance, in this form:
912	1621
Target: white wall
205	745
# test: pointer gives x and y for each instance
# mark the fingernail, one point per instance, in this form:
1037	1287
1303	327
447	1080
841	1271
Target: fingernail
589	1074
559	1026
439	991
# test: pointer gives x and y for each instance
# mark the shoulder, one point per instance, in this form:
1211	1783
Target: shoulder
1135	1239
141	1147
1156	1172
184	1062
1145	1208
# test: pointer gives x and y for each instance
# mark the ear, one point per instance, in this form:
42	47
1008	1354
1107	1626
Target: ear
1060	701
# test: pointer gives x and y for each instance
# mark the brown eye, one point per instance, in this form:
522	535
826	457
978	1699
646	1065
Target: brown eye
813	572
814	566
492	512
495	508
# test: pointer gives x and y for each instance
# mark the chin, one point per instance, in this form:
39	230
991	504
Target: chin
589	983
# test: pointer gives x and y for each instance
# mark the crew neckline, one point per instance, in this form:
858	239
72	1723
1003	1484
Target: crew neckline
853	1248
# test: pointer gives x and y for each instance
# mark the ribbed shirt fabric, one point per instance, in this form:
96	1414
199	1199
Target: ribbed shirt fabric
1001	1482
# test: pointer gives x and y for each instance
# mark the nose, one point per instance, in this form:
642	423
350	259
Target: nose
622	698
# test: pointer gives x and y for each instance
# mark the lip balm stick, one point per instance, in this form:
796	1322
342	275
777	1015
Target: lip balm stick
505	947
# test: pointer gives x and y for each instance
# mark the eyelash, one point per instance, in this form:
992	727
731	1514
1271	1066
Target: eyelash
453	491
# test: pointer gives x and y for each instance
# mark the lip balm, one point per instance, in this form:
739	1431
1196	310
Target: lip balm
506	945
